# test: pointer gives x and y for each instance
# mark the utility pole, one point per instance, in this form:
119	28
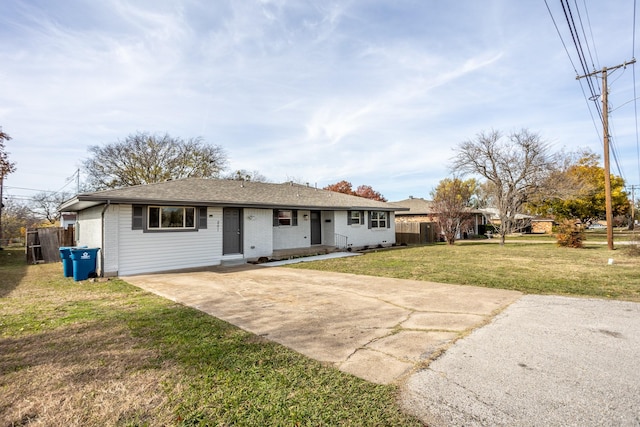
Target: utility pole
605	132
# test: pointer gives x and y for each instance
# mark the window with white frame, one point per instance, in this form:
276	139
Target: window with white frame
285	217
171	217
356	217
378	219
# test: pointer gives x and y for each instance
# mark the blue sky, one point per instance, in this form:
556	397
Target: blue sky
370	91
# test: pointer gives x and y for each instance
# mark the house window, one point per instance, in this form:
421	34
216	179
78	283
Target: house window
170	217
285	217
378	219
356	217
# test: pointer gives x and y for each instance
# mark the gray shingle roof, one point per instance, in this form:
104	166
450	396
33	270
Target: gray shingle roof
415	206
214	192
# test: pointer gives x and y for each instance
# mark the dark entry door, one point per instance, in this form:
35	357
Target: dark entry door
316	228
232	231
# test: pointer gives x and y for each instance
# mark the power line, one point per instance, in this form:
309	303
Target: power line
586	12
585	55
29	189
564	45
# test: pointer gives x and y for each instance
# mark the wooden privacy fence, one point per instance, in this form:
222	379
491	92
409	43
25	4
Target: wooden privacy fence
415	232
43	244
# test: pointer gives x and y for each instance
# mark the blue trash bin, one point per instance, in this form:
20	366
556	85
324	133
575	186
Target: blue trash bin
67	263
84	262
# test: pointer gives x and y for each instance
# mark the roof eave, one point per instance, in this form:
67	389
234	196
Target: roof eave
82	202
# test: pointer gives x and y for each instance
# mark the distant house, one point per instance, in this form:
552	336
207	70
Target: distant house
68	219
542	225
421	210
196	222
523	223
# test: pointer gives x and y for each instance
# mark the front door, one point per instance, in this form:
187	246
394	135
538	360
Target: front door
232	231
316	228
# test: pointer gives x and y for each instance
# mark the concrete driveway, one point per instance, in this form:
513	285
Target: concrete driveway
379	329
544	361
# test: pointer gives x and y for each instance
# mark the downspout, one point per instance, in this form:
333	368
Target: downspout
104	209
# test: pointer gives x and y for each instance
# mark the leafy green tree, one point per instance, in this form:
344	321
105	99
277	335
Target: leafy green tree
580	192
144	158
452	201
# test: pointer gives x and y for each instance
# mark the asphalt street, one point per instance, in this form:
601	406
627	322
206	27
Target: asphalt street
544	361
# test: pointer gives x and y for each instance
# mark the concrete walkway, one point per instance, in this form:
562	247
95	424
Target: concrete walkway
379	329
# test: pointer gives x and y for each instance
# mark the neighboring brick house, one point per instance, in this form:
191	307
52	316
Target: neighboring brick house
541	226
524	223
421	211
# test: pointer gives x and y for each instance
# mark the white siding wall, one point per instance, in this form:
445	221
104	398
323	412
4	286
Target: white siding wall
128	251
289	237
89	233
257	233
361	235
148	252
90	230
110	252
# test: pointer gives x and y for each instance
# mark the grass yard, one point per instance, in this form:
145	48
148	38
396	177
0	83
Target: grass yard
535	268
107	353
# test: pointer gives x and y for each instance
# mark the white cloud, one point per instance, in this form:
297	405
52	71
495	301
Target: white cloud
377	93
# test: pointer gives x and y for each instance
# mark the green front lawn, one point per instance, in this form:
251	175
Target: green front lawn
108	353
535	268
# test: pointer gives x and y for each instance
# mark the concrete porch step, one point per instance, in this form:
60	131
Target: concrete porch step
298	252
233	262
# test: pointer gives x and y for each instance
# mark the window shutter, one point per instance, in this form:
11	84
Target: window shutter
348	217
202	218
388	219
137	217
294	217
275	218
369	218
361	217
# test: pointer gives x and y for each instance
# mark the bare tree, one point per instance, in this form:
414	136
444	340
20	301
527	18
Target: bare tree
245	175
45	204
16	218
145	158
6	167
451	204
515	168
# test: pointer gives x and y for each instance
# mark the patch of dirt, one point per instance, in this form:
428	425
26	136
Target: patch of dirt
86	374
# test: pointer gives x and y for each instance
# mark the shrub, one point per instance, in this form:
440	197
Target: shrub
570	234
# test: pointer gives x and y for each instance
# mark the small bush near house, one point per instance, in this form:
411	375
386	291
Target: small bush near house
633	249
570	234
